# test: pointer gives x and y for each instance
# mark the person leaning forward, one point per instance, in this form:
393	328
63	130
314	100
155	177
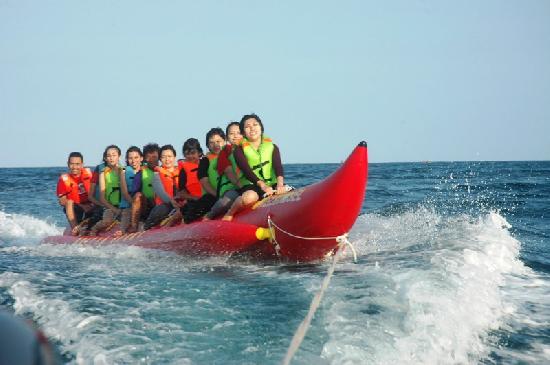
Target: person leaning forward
73	190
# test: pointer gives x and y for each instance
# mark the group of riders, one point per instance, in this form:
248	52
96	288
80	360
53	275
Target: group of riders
241	167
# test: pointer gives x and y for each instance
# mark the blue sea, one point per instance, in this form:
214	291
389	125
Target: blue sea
453	267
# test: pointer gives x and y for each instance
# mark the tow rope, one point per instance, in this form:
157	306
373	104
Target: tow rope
300	333
342	239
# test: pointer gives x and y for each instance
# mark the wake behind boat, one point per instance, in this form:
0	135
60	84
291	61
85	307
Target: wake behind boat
302	225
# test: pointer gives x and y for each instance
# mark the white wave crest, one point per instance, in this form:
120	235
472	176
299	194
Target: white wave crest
21	229
58	319
431	294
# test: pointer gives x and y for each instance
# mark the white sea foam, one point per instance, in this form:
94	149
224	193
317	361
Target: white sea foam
21	229
58	318
434	296
427	289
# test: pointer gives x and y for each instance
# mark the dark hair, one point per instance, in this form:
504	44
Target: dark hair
108	148
231	124
250	116
167	147
212	132
151	147
75	154
191	144
132	149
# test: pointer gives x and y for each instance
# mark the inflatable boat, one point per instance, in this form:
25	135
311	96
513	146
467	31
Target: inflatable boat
305	224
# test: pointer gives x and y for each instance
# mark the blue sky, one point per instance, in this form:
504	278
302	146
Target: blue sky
419	80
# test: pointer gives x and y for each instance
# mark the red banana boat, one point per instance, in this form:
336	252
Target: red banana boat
302	225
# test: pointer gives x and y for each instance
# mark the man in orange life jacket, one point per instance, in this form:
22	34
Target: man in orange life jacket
72	191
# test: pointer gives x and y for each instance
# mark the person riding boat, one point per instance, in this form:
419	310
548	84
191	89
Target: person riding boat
110	191
189	186
228	167
73	190
134	158
211	183
94	184
144	195
260	162
165	185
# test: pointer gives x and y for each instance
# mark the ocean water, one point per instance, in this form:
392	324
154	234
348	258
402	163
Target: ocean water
453	268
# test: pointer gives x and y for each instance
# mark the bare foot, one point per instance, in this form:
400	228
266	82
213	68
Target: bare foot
205	218
118	233
227	218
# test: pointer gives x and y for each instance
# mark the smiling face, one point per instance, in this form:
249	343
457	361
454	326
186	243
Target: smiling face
167	158
75	164
234	135
111	157
252	130
216	143
134	160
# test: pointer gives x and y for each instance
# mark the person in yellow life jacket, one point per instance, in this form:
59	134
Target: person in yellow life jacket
165	185
260	162
72	193
143	194
227	168
110	193
208	177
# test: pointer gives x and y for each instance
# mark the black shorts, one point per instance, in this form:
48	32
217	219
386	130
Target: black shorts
146	207
93	215
195	209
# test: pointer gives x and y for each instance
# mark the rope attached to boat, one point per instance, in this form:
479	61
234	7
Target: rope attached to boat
300	333
342	239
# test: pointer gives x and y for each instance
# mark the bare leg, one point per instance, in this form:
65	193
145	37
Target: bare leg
247	199
124	221
137	205
108	219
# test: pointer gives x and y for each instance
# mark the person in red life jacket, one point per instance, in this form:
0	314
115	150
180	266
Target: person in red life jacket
227	166
208	177
165	185
189	187
259	160
110	194
144	196
72	191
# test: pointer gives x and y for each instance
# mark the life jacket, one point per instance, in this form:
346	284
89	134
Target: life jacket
193	185
170	182
220	183
113	193
147	175
260	161
236	168
98	170
129	175
78	187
